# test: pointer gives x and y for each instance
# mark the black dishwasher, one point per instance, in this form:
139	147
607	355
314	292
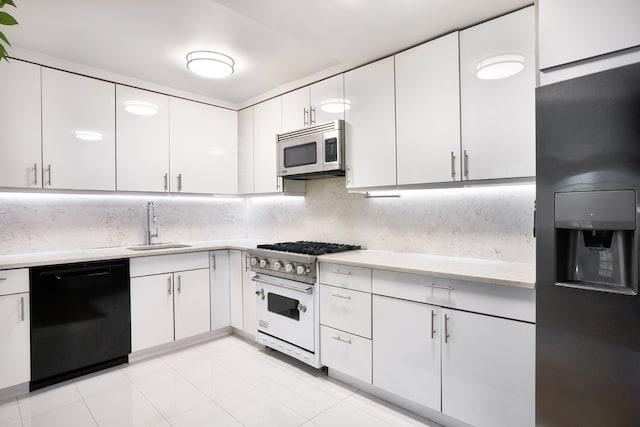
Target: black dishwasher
80	319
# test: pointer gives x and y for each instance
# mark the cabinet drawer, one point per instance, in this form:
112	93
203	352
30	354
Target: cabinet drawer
347	353
346	276
158	264
498	300
346	309
14	281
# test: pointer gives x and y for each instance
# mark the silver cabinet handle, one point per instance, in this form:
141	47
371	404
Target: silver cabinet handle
338	338
22	309
247	263
453	166
179	182
169	285
2	278
431	285
302	308
49	175
346	273
306	120
446	329
213	258
179	284
35	174
312	116
277	182
166	181
466	164
281	285
433	320
341	296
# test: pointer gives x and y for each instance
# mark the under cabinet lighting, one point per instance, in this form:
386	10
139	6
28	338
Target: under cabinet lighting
210	64
335	105
86	135
141	108
500	66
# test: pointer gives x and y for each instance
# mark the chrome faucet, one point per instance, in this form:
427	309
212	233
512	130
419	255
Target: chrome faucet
151	213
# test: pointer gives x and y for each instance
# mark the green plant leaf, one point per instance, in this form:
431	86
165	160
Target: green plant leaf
4	38
3	53
6	19
9	2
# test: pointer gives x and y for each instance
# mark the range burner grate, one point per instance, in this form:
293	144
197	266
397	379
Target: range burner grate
309	248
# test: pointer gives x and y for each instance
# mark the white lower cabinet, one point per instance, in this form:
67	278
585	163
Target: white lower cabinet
191	303
151	311
15	331
345	352
243	293
407	349
220	289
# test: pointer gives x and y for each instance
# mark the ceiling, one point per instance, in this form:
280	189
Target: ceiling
272	41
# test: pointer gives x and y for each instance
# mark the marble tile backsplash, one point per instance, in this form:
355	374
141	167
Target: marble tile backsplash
488	222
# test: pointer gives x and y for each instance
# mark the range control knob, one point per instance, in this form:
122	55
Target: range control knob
288	268
301	269
277	265
254	261
263	263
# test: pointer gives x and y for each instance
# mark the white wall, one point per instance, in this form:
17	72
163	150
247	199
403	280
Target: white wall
488	222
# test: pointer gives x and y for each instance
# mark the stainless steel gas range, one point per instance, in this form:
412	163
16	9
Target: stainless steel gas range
287	301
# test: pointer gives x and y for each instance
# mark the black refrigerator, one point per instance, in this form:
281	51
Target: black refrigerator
588	308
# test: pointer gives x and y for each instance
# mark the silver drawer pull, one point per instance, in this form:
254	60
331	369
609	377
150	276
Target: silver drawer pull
22	309
2	278
347	341
346	273
341	296
431	285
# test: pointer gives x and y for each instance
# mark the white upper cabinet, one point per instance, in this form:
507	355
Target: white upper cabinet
428	112
573	30
142	140
311	105
203	148
78	132
267	122
245	151
295	109
20	121
498	114
370	134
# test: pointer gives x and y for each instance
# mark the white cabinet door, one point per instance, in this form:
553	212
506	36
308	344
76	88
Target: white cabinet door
295	109
327	100
142	140
498	116
428	112
151	311
370	125
75	107
14	340
267	118
488	370
191	303
249	317
572	30
220	297
203	148
20	121
245	151
406	349
237	263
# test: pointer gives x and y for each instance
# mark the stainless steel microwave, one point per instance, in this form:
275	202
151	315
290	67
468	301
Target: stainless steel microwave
312	152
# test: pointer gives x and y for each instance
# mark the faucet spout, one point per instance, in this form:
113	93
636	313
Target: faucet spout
151	216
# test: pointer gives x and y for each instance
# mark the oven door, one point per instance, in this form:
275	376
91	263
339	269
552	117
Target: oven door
301	155
285	310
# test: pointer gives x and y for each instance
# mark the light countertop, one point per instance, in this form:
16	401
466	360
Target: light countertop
518	274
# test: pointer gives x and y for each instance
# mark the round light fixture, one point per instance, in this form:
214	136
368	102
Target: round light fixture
335	105
141	108
86	135
500	66
213	65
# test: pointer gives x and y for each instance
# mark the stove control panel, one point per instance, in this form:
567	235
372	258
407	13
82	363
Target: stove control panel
294	270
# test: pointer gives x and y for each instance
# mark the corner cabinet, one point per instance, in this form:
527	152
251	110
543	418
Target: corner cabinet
78	132
245	151
267	123
142	141
203	148
498	114
370	125
20	121
15	332
220	289
243	293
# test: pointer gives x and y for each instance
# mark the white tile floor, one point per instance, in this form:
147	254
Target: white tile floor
227	382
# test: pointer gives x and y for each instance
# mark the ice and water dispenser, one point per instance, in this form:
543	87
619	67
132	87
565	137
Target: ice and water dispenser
595	235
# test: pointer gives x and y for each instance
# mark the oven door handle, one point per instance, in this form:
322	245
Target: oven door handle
281	285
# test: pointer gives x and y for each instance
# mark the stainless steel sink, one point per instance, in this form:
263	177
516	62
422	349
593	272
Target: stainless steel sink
158	246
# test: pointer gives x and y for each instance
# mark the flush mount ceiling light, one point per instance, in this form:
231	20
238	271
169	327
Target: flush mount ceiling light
141	108
335	105
86	135
213	65
500	66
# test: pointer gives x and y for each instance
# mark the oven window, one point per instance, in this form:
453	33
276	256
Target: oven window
300	155
283	306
